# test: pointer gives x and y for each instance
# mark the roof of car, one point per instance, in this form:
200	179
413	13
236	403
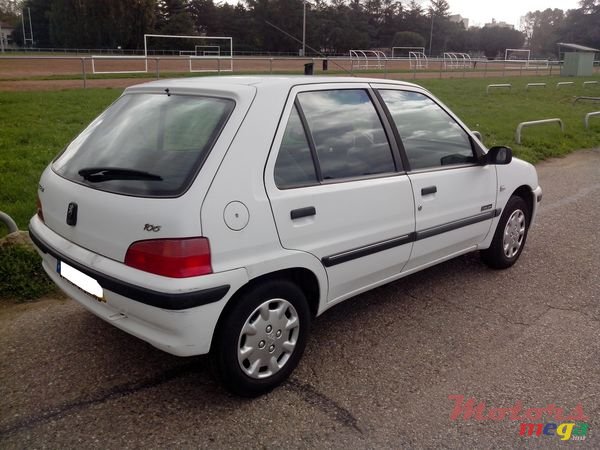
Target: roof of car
262	81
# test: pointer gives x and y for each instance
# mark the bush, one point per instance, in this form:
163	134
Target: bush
21	274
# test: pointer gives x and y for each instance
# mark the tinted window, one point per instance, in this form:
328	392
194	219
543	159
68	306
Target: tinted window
430	136
348	135
294	165
165	136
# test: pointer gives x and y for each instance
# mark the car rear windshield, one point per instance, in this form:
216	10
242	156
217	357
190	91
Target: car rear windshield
149	145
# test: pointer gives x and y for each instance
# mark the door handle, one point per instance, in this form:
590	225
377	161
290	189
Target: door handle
303	212
429	190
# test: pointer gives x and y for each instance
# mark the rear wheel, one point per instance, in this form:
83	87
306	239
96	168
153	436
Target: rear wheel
510	236
261	340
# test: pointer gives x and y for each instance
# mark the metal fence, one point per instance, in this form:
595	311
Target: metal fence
102	66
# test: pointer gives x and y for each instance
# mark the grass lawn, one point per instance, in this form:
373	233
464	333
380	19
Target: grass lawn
35	126
497	115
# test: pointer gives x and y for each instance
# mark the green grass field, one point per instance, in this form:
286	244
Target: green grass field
37	125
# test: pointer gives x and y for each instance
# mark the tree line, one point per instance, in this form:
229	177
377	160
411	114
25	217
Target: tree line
332	27
543	29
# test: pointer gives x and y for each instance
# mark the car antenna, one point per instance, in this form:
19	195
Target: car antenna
308	46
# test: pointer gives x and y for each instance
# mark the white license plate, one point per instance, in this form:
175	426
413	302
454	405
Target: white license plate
80	279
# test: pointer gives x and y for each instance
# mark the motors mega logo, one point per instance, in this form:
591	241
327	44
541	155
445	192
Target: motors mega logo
571	426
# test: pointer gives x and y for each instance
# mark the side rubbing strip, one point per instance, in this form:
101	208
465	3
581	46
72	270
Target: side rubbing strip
349	255
444	228
359	252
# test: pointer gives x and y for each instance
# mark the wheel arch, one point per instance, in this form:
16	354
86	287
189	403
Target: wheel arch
304	278
526	193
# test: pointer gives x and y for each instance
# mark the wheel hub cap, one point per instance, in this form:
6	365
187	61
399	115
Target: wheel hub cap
268	338
514	232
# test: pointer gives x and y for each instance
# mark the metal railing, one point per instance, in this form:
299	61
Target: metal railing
155	66
536	122
586	120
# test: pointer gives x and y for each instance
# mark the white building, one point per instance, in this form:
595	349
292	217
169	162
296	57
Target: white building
500	24
457	18
5	35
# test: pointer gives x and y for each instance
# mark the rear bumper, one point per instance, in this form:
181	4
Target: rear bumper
179	321
165	300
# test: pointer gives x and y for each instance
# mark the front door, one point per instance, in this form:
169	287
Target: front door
454	195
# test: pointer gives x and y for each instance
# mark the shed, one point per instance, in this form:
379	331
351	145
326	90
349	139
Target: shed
5	36
578	60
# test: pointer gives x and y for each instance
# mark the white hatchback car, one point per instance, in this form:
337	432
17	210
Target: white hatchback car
220	215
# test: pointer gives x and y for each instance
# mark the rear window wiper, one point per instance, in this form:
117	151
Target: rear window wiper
98	174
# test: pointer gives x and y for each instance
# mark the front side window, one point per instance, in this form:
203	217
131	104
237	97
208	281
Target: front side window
348	135
430	136
146	144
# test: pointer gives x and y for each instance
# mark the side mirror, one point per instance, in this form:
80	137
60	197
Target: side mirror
498	155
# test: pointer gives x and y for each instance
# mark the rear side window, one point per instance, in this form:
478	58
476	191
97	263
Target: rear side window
349	138
430	136
146	144
294	166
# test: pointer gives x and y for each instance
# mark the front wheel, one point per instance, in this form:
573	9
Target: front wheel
262	338
510	236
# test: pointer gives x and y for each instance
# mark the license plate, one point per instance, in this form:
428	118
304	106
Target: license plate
80	279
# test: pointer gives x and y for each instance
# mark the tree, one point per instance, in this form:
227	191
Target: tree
391	22
494	40
204	16
9	11
440	25
173	17
439	8
99	24
408	39
542	30
414	19
581	25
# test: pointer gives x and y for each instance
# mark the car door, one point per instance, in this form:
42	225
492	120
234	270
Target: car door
337	188
455	195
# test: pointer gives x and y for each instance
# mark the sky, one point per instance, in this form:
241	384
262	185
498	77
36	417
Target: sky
480	12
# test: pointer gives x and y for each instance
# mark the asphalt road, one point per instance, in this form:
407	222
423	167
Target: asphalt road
378	369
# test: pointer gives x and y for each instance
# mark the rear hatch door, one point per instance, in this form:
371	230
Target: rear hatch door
133	173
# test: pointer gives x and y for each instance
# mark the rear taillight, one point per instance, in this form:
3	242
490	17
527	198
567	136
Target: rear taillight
175	258
40	213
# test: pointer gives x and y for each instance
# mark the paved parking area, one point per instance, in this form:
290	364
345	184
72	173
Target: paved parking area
378	369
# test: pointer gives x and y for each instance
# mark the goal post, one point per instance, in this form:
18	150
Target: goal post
207	50
205	53
518	57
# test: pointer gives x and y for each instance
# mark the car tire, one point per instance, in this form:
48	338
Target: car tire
262	338
510	236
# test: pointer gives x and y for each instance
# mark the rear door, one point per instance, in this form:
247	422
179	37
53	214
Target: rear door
337	187
455	196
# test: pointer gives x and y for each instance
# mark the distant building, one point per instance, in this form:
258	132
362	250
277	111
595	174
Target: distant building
500	24
5	35
457	18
